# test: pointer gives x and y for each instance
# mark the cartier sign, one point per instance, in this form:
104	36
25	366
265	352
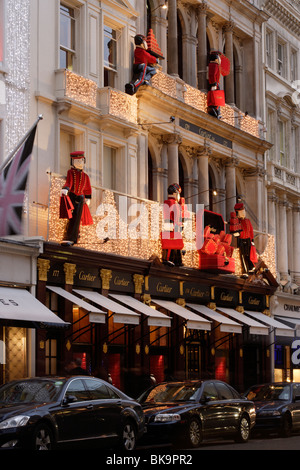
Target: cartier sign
254	301
196	291
163	287
226	297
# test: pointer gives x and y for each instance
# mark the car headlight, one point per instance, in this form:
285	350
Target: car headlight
14	422
270	413
165	417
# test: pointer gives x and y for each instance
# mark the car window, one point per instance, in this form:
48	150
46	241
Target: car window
77	389
296	390
98	390
225	392
209	392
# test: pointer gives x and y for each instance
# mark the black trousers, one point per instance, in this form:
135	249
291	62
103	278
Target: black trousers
72	229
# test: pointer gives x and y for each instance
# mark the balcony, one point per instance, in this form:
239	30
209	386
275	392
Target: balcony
112	103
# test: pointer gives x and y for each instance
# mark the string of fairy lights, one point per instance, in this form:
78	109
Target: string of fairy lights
138	236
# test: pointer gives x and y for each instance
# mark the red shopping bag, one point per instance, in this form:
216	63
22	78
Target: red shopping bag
216	98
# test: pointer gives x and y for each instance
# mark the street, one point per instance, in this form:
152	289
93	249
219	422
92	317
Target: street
256	443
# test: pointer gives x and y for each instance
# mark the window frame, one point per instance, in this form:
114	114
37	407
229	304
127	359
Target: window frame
69	51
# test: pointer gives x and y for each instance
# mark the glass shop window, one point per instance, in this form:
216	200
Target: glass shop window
51	357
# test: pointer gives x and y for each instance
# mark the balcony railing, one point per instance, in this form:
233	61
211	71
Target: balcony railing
133	226
110	101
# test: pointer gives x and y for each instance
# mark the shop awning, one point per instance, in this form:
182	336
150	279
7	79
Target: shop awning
193	321
20	308
95	316
255	328
121	314
226	324
155	318
289	321
280	328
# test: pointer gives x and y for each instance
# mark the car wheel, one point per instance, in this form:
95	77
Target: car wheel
128	436
193	437
243	432
42	438
286	429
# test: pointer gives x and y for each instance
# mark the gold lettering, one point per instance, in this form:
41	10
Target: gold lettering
120	281
86	277
253	301
163	288
226	297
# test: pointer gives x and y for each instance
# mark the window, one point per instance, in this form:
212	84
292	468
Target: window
67	37
280	59
51	357
293	71
209	392
269	36
76	389
109	167
99	391
282	143
110	55
225	392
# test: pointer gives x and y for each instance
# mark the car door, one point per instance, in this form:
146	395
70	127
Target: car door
296	406
75	416
210	409
107	409
229	412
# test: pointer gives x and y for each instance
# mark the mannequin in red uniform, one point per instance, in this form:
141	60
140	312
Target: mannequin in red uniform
78	189
143	66
171	239
214	75
245	239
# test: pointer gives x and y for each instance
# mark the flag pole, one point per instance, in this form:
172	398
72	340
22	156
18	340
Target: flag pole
11	155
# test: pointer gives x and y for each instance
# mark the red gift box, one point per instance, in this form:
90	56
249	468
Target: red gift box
216	98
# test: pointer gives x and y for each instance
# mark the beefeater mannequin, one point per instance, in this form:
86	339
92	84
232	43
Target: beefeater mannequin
78	189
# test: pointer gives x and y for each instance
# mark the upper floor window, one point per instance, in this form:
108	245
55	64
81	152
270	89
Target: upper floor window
109	167
293	69
110	55
269	36
67	37
281	59
282	143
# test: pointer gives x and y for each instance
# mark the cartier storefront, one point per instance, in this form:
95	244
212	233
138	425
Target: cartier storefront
134	320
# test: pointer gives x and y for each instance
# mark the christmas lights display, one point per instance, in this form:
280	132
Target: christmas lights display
139	237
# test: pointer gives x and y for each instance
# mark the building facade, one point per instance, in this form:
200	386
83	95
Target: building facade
81	56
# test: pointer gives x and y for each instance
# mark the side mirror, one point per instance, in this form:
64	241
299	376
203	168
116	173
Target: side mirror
69	399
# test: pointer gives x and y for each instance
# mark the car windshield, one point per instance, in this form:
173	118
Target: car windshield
31	391
269	392
164	393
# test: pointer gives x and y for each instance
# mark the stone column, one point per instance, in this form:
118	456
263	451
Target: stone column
202	47
230	187
203	175
272	199
173	141
229	80
296	245
172	38
282	248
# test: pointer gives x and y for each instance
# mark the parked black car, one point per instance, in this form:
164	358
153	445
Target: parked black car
42	413
277	407
188	412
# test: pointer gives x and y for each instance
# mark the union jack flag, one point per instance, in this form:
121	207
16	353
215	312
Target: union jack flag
13	180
